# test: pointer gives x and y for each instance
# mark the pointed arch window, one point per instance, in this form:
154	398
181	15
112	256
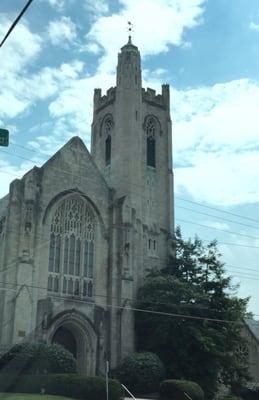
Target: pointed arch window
71	249
108	143
107	128
151	142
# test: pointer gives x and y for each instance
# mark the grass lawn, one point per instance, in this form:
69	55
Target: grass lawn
25	396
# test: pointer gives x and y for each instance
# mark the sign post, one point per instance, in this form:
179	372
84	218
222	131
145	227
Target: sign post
107	380
4	137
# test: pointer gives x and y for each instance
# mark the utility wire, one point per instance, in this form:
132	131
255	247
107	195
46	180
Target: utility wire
217	209
217	229
176	315
84	177
216	216
16	21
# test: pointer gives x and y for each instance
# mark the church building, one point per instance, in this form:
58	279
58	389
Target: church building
79	234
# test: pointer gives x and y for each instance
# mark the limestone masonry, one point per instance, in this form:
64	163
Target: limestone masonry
79	234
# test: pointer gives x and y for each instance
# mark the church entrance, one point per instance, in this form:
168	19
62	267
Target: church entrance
65	338
72	331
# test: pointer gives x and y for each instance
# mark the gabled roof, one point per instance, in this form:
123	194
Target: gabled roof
78	143
253	326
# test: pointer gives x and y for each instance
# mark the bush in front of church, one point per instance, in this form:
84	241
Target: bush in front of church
250	391
141	373
176	389
37	358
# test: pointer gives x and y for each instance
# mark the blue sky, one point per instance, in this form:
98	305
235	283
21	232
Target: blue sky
207	50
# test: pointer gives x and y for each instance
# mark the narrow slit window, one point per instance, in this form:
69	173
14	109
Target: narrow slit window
108	150
151	142
151	152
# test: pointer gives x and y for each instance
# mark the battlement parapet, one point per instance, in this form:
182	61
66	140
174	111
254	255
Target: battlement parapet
161	100
100	101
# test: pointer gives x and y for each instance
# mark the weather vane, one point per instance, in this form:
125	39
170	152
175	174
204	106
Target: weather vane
130	29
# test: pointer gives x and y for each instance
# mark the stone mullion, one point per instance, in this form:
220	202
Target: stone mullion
61	265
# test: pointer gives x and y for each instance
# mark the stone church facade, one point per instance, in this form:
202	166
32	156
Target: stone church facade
79	234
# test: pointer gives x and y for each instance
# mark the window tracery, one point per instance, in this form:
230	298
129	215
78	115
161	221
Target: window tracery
71	249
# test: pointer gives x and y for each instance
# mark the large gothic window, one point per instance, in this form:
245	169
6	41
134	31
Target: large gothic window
71	249
151	142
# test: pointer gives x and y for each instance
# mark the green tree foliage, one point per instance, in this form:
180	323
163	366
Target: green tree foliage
194	344
141	373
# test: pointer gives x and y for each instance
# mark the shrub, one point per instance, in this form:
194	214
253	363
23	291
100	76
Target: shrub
250	391
175	389
38	358
141	373
71	385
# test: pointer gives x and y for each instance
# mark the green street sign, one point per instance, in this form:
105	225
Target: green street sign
4	137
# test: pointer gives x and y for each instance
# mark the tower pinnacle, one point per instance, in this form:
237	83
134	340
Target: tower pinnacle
129	65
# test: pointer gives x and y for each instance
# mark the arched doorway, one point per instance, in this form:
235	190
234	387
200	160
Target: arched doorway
65	338
75	333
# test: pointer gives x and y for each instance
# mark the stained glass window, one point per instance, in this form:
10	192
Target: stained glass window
71	249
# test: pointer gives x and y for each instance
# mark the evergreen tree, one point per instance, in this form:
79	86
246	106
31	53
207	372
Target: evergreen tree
199	341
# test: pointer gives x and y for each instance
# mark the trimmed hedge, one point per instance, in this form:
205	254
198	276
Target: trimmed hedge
174	389
141	373
70	385
37	358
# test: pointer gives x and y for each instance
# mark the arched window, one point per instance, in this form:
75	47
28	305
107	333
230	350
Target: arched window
107	128
108	150
71	249
151	142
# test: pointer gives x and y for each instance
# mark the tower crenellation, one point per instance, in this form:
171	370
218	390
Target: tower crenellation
102	101
160	100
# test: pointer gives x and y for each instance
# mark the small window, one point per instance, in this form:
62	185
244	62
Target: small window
108	150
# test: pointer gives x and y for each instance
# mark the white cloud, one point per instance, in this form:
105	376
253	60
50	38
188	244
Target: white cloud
97	7
59	5
18	54
62	32
9	172
216	224
215	136
171	16
254	26
91	47
19	91
22	48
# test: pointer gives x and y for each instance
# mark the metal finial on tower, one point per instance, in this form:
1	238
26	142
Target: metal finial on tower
130	30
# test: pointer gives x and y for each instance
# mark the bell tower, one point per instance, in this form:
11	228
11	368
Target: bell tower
132	147
132	144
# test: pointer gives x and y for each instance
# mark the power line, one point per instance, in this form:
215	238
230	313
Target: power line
243	268
216	216
16	21
176	197
231	244
176	315
217	229
217	209
84	177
